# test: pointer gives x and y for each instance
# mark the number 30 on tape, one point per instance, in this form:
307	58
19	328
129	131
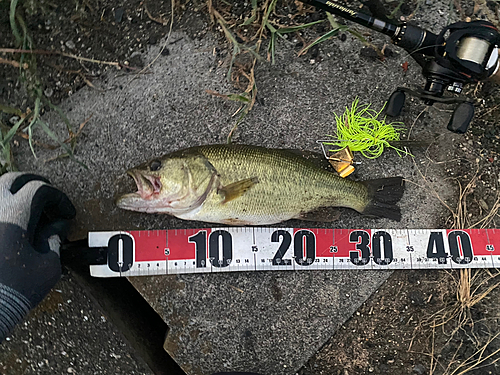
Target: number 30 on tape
237	249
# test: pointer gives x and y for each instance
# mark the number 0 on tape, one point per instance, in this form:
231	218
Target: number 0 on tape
237	249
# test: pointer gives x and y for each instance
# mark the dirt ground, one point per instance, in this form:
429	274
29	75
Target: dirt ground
401	329
413	324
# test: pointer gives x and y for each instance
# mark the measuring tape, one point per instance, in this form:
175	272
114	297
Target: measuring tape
238	249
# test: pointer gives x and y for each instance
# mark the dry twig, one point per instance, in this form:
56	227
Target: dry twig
79	58
160	20
14	63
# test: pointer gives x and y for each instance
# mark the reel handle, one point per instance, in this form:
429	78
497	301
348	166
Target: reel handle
459	121
463	52
461	118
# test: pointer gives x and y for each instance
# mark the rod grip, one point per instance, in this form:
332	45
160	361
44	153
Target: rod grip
415	39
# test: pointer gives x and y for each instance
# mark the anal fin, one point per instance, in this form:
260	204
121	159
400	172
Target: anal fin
236	189
324	214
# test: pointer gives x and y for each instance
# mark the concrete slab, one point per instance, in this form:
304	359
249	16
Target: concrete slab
67	334
272	322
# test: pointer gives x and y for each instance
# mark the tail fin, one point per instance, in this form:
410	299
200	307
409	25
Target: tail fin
384	193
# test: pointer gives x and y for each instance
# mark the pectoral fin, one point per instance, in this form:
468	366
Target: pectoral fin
236	189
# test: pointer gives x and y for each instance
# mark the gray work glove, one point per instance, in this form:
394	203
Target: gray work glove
34	218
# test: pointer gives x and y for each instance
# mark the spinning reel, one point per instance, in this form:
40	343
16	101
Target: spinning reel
464	52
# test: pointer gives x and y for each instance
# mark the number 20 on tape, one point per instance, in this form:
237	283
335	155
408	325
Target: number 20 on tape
243	249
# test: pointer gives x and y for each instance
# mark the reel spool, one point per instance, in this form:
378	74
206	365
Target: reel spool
465	52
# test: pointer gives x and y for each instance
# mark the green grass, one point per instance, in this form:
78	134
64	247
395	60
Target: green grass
32	82
262	20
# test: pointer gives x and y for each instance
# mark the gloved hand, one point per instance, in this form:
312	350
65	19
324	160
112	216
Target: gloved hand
34	218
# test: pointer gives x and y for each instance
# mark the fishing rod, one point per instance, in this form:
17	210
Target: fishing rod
462	53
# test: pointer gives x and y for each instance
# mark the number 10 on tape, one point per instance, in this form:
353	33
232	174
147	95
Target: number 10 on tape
238	249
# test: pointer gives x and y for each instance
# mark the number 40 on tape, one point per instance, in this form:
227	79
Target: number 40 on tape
243	249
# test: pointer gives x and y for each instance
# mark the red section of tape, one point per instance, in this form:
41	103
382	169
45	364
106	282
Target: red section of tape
151	245
324	241
179	245
344	244
484	242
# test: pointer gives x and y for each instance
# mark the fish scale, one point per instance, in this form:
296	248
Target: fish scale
288	186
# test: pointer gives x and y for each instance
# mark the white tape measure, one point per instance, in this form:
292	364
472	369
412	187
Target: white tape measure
237	249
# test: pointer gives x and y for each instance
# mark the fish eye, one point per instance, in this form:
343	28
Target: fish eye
155	165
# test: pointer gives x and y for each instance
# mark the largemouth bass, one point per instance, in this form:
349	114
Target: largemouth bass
250	185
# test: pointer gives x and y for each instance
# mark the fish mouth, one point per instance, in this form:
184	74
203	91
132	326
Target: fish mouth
148	186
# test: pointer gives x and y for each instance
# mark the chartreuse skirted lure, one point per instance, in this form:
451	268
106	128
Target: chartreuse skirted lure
360	129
